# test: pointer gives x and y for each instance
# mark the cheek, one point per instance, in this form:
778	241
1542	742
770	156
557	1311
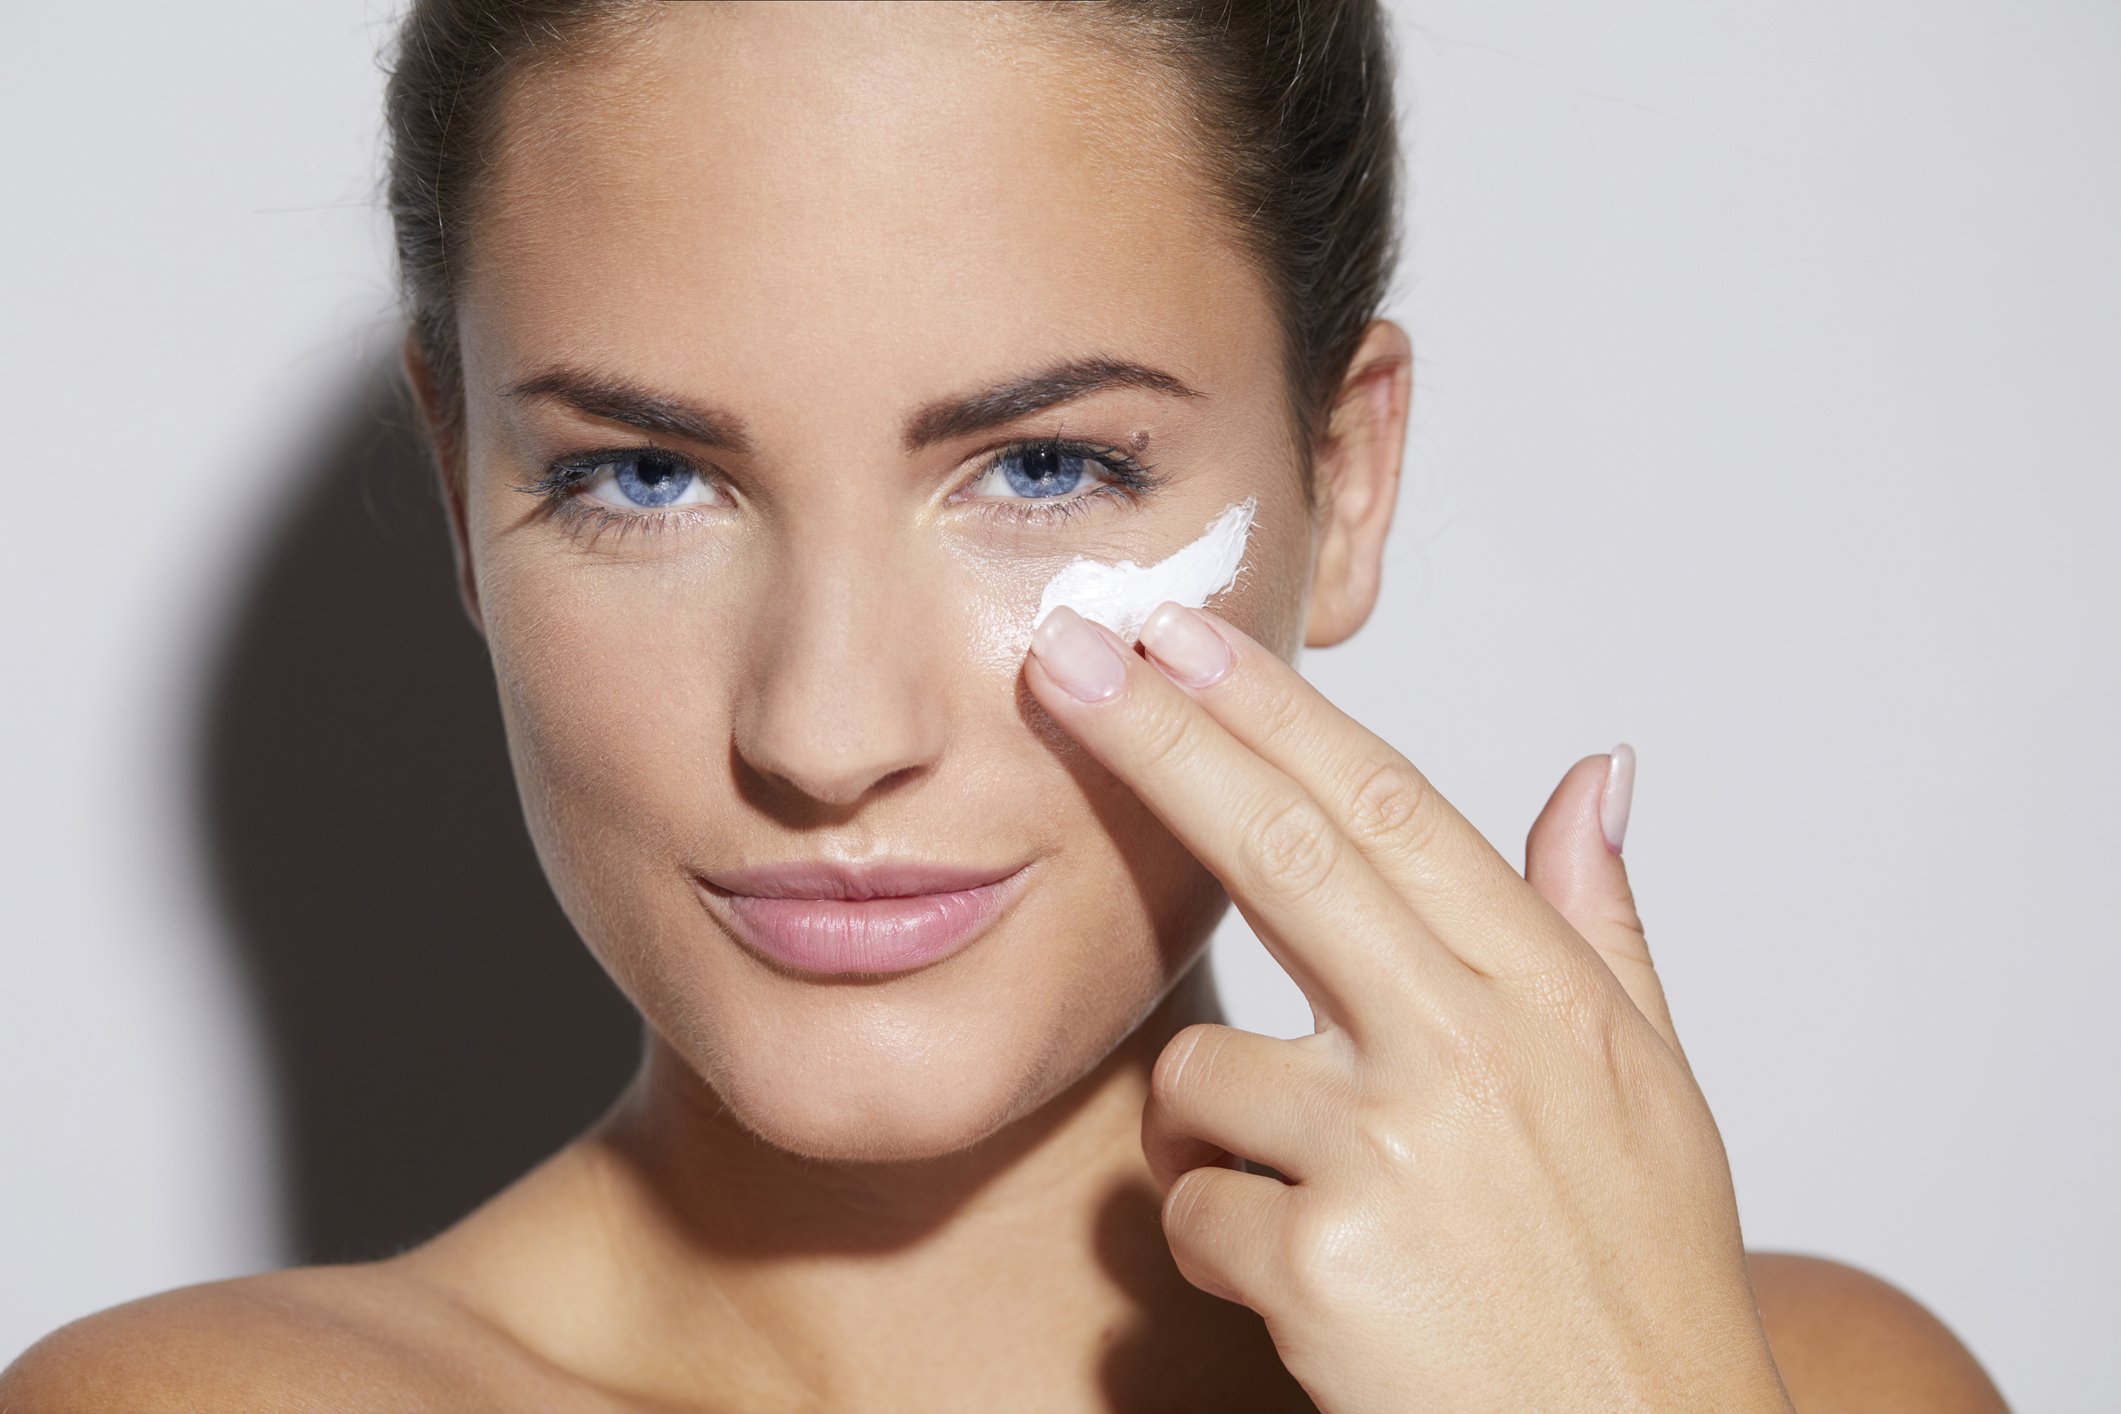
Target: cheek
611	689
1270	596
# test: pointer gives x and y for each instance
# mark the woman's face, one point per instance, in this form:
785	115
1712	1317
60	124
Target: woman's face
823	234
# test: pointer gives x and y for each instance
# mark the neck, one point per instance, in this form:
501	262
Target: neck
1032	1260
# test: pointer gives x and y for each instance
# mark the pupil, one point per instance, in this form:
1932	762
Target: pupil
1043	471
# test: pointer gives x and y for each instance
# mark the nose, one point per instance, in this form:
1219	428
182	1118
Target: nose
844	698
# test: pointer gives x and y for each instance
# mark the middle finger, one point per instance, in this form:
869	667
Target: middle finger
1359	953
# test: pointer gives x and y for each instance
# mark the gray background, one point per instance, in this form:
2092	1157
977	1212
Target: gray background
1765	418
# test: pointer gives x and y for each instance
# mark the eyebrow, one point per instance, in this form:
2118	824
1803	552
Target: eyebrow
614	399
1020	397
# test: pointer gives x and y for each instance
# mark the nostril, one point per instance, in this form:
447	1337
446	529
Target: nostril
811	780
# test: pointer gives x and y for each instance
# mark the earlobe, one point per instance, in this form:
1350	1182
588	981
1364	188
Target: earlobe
449	474
1358	473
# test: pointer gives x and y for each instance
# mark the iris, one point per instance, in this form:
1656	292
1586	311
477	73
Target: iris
649	478
1043	470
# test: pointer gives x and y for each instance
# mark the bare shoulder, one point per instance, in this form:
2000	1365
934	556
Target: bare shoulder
341	1338
1846	1340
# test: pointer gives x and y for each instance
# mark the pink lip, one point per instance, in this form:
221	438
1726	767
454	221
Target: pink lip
830	919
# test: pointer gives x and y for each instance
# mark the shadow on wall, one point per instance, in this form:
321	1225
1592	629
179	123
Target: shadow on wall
433	1022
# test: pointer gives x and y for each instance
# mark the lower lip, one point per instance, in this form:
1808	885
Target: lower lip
878	936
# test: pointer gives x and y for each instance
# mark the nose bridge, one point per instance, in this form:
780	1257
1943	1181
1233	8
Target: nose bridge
845	694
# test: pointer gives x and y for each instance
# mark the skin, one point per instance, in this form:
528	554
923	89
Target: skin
1001	1181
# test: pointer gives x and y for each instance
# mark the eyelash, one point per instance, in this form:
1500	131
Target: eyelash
1128	477
581	516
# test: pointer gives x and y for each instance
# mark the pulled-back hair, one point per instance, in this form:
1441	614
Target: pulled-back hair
1292	99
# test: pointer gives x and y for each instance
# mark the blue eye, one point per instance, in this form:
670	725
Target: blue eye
1040	471
645	479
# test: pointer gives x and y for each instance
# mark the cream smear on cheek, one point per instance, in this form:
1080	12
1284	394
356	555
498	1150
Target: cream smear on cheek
1122	596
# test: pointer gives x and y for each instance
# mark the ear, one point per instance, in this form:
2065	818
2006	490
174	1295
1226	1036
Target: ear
449	473
1358	479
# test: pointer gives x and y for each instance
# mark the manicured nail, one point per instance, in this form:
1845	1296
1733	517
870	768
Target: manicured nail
1186	646
1619	794
1077	655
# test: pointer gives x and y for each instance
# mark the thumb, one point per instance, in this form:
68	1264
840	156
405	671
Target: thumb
1572	858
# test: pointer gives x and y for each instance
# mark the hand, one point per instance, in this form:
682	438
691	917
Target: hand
1504	1188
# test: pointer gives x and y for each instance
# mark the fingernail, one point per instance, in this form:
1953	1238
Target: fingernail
1619	795
1077	656
1186	646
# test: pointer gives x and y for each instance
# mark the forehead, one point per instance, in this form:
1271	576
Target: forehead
900	195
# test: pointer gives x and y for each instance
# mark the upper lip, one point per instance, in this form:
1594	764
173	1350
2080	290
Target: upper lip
825	879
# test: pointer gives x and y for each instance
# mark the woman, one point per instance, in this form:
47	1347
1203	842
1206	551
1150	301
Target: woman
778	360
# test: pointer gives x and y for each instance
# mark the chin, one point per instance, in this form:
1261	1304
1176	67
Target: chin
908	1073
913	1134
878	1111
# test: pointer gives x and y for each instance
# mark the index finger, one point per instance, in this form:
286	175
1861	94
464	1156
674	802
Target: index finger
1340	930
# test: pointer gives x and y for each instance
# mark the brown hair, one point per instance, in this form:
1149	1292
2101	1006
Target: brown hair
1293	98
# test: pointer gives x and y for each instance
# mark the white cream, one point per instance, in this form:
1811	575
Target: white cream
1122	596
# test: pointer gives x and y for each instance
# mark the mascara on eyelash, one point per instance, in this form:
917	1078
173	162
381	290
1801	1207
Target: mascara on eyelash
1128	474
555	479
1130	479
572	470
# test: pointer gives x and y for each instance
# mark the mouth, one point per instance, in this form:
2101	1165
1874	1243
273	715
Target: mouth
831	920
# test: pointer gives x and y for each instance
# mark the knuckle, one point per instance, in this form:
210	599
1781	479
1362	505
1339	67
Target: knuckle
1290	848
1623	926
1182	1056
1390	1136
1165	730
1477	1062
1392	801
1187	1215
1280	711
1309	1252
1569	993
1607	1029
